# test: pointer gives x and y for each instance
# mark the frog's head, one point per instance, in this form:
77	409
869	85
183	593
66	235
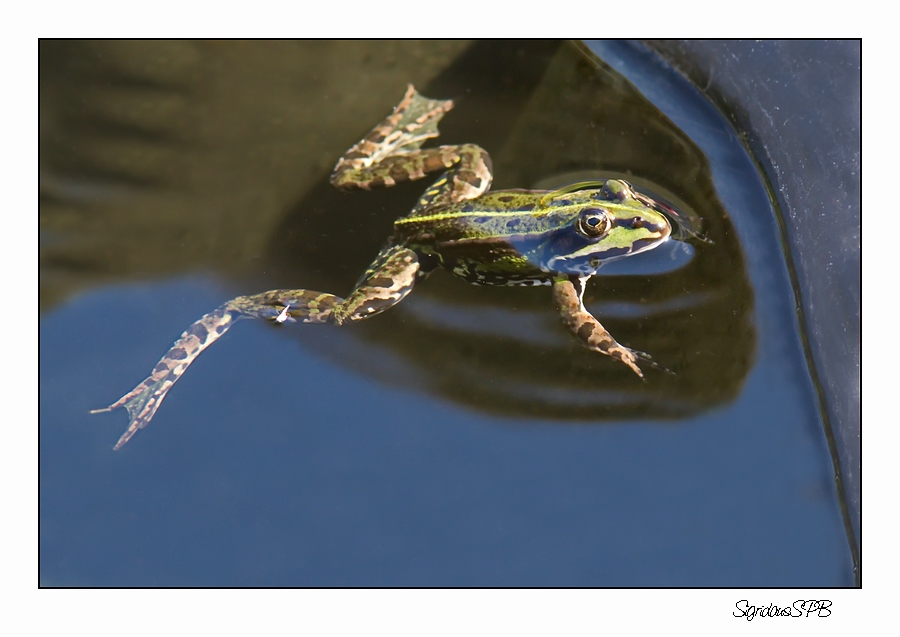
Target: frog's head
603	225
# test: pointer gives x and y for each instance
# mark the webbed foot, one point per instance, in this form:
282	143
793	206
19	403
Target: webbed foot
568	292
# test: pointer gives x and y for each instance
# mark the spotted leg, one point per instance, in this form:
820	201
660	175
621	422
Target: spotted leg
390	278
143	401
567	294
391	153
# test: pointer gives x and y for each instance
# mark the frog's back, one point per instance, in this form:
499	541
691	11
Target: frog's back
501	212
489	240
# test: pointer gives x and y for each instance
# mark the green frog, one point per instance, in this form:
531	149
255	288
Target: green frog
558	238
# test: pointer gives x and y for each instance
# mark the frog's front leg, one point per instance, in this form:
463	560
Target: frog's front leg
385	283
567	293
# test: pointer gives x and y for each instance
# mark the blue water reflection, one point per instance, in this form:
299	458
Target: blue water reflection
344	481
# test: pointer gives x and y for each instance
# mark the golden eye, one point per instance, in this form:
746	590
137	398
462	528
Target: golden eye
593	223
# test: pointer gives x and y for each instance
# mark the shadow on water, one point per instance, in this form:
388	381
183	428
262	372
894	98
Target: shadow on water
570	115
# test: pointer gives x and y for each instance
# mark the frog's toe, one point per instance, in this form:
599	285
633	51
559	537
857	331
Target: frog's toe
629	357
631	361
648	360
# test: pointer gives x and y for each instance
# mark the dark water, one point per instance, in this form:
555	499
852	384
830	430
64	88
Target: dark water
463	438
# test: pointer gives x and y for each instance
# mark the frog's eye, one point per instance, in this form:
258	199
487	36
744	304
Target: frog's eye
593	223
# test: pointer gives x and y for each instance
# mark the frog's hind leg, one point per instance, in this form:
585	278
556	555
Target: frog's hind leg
568	293
387	281
390	152
142	402
469	175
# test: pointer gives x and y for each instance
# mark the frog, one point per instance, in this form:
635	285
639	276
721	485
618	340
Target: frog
558	238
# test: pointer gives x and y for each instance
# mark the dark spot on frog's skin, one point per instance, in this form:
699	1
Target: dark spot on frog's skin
432	163
398	173
585	332
527	207
468	208
482	219
476	182
199	330
373	306
160	367
178	354
505	198
637	246
220	329
380	282
562	202
616	252
513	223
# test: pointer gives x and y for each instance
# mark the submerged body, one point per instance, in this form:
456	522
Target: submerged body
514	237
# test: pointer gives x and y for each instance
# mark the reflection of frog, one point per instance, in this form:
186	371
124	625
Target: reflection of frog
511	237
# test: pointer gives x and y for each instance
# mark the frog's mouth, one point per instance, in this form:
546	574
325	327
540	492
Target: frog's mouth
659	231
591	263
591	258
684	224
